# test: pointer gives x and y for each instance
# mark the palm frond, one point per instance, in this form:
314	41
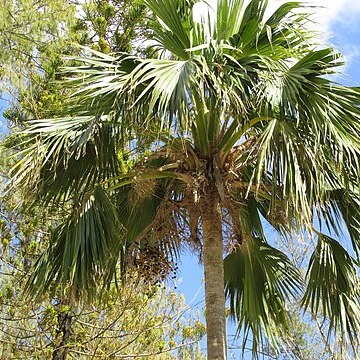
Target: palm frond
228	18
173	31
258	281
83	251
63	156
310	145
341	214
333	288
329	116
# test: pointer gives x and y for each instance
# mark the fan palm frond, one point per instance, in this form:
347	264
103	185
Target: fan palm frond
258	281
83	250
333	287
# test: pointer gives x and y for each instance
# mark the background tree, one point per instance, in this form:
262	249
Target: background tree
232	122
140	320
25	27
37	35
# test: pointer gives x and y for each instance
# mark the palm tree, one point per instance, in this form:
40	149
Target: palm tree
234	122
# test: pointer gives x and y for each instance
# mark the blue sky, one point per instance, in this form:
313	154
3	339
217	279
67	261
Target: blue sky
341	20
3	106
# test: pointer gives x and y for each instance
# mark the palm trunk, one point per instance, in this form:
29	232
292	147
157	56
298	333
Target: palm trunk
214	277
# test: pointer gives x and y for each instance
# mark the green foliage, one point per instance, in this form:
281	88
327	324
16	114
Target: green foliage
238	105
138	320
37	36
258	280
90	241
26	27
333	287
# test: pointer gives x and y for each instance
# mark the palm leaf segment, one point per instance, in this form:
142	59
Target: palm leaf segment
242	100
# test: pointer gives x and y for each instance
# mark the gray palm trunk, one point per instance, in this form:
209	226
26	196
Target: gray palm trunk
214	275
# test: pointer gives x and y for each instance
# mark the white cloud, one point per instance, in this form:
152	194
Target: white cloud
328	12
328	15
346	12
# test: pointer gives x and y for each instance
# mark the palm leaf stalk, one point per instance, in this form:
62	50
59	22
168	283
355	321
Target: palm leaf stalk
235	120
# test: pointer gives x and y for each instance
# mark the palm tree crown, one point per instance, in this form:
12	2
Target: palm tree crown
233	122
